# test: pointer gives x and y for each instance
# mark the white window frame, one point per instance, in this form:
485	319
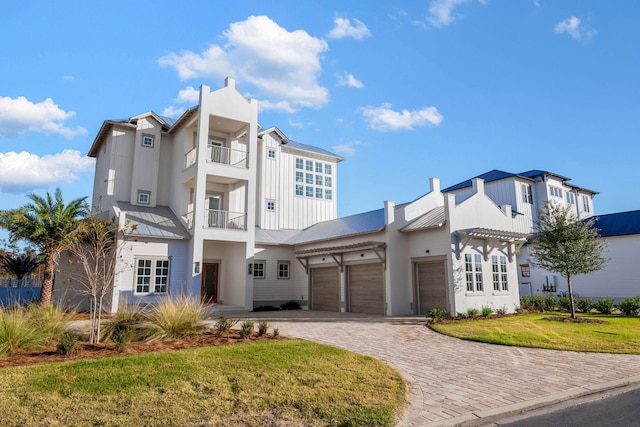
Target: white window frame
271	205
499	273
299	190
571	198
555	191
259	269
284	270
328	194
527	196
327	169
142	195
319	193
299	164
308	191
585	204
308	178
156	271
149	138
308	165
328	182
319	167
271	153
319	180
473	273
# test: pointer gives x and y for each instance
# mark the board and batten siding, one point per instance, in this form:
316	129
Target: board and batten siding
279	290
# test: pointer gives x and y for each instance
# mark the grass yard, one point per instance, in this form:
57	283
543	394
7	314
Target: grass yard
289	382
620	334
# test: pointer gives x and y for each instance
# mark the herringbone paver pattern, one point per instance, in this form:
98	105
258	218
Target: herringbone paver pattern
447	377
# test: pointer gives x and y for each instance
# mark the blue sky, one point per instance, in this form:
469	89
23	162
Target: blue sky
404	90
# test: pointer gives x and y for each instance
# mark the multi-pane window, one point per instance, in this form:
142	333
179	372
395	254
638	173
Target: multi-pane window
308	191
570	198
526	193
318	167
271	154
473	272
309	178
299	177
309	165
555	192
585	204
283	269
144	197
299	164
499	270
147	141
328	194
299	190
271	206
319	180
525	270
468	268
314	182
478	269
258	270
152	271
318	193
327	181
327	169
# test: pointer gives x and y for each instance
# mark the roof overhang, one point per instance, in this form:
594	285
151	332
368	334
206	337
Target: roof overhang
337	253
490	238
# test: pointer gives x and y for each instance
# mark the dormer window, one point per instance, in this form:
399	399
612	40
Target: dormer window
555	192
526	194
271	154
570	198
147	141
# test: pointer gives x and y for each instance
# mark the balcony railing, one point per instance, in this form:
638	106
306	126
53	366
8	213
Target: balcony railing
188	219
227	156
190	158
226	220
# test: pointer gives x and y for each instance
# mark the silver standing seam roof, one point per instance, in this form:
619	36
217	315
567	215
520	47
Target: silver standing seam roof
366	222
433	219
159	222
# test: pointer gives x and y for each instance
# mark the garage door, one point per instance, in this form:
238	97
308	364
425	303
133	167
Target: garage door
366	288
431	286
325	289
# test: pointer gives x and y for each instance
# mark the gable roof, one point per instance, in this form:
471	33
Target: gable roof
366	222
492	175
618	224
159	222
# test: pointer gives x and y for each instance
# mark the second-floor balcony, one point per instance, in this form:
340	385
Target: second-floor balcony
227	156
226	220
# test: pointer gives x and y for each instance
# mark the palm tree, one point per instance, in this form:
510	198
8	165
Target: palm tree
21	265
47	223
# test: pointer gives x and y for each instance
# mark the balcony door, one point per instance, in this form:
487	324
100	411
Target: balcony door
215	204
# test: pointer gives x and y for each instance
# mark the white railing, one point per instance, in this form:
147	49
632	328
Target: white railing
226	220
190	158
227	156
188	219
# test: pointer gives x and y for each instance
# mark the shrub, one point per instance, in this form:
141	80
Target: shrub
121	327
68	343
550	303
501	311
17	331
462	315
472	312
291	305
263	326
224	324
526	302
276	332
486	311
49	320
564	302
173	318
246	328
537	302
604	305
437	313
630	306
584	304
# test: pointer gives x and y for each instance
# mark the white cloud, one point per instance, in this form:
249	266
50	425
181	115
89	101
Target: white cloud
349	80
347	149
21	172
440	12
536	3
575	28
19	115
188	95
343	28
295	124
383	118
282	65
172	111
281	106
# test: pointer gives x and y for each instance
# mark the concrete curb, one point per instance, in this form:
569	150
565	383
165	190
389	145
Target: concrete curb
486	417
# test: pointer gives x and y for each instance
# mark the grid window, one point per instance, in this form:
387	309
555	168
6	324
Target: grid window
309	165
327	181
319	180
526	193
525	270
283	270
271	154
308	191
570	198
327	169
478	270
309	178
468	268
299	176
555	192
328	194
162	275
147	141
143	276
271	206
319	193
144	197
495	270
318	167
503	273
152	271
299	164
258	270
299	190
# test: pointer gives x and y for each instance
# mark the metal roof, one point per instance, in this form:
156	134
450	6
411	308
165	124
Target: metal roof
432	219
312	149
159	222
274	237
367	222
493	175
618	224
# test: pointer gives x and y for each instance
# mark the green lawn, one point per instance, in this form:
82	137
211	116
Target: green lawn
296	382
621	334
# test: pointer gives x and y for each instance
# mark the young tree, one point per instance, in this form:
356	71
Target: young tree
93	248
46	223
566	245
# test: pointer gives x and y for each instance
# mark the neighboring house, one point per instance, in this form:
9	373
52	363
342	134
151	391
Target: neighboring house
214	207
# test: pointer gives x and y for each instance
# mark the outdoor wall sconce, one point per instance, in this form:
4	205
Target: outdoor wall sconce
196	267
250	269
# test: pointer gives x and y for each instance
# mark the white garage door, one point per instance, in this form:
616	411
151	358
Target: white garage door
366	288
325	289
431	286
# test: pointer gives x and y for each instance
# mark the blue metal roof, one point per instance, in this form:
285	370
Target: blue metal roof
618	224
311	148
493	175
366	222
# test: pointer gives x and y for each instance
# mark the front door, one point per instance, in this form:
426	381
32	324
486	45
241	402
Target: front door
209	288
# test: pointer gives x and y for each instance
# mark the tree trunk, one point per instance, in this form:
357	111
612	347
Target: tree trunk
47	281
573	307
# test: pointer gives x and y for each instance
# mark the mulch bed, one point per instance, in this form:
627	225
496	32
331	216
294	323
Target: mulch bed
576	320
85	350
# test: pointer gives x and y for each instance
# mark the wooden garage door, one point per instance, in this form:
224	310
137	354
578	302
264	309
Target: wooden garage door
366	289
325	289
431	286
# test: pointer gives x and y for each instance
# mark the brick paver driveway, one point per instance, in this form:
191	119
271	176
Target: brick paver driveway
451	380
